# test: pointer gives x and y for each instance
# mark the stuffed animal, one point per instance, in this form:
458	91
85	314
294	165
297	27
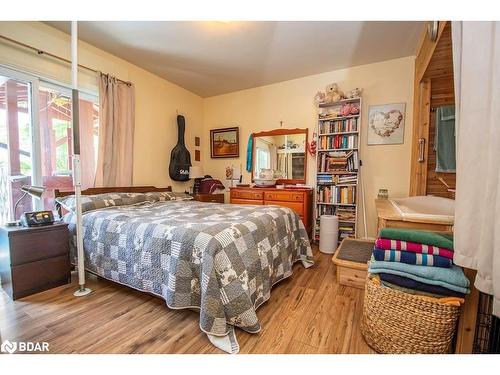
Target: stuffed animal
319	97
333	94
346	110
354	93
354	109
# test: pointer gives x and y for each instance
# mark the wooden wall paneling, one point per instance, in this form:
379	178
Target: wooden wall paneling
441	62
467	323
419	168
423	59
426	51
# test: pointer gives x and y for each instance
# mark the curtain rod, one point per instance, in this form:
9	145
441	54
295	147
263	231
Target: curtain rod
41	52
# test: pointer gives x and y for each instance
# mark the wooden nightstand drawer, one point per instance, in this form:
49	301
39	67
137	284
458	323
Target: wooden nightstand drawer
247	194
34	246
35	277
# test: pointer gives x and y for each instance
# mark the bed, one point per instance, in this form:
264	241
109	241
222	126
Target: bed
220	259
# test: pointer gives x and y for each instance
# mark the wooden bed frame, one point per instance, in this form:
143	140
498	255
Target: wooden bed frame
102	190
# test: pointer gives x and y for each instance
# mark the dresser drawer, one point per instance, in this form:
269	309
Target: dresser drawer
296	206
247	194
246	201
37	245
37	276
286	196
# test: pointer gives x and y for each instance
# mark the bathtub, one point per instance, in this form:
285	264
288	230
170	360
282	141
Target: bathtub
429	209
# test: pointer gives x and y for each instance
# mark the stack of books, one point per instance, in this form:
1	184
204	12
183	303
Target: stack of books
346	213
346	230
347	179
338	161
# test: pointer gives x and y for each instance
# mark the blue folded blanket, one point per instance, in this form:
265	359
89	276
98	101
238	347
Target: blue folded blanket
418	286
452	278
411	258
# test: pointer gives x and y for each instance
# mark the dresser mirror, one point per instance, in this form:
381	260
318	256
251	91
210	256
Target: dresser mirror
280	154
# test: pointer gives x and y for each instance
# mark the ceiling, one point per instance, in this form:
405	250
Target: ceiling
211	58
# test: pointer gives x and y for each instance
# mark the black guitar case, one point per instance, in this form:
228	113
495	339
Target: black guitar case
180	158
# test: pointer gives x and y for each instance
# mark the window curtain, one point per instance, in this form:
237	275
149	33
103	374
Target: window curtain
116	132
476	54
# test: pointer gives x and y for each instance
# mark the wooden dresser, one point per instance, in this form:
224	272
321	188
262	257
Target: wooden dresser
299	200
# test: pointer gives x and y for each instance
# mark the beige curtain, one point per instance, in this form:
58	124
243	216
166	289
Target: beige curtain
116	132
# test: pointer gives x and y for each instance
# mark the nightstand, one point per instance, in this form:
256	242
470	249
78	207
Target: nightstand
34	259
214	198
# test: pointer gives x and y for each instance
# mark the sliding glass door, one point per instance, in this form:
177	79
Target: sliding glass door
36	140
16	143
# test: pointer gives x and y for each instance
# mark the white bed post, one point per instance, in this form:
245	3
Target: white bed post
77	183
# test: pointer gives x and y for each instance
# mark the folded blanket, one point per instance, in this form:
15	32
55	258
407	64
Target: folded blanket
447	300
411	258
451	278
407	284
386	244
419	236
414	291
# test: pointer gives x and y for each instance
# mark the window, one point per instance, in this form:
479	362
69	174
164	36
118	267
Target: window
56	139
262	159
36	140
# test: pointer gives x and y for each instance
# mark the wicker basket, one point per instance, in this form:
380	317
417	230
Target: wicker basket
397	322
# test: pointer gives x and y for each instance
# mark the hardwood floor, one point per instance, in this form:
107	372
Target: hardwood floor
307	313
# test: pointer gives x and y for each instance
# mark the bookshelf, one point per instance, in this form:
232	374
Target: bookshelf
337	156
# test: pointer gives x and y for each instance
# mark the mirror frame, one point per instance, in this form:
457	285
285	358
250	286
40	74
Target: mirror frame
283	132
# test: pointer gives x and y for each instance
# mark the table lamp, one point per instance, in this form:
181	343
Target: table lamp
34	191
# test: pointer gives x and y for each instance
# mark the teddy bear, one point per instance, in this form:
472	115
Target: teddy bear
333	94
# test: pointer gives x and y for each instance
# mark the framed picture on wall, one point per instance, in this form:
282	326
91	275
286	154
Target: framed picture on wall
386	124
225	143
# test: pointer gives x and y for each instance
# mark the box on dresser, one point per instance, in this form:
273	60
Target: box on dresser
34	259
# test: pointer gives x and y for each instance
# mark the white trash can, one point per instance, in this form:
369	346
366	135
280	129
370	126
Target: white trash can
328	233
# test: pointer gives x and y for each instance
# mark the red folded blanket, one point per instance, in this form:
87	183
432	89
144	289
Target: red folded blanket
386	244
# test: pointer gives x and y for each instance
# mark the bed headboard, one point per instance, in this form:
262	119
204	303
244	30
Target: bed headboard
102	190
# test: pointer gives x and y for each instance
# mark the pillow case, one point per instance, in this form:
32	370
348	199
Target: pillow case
168	196
97	201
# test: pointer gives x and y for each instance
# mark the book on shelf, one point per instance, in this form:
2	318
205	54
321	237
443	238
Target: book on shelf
339	126
331	142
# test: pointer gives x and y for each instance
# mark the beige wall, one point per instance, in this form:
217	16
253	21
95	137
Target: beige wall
157	100
263	108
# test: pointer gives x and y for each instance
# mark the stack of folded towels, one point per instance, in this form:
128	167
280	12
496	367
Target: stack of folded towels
418	262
